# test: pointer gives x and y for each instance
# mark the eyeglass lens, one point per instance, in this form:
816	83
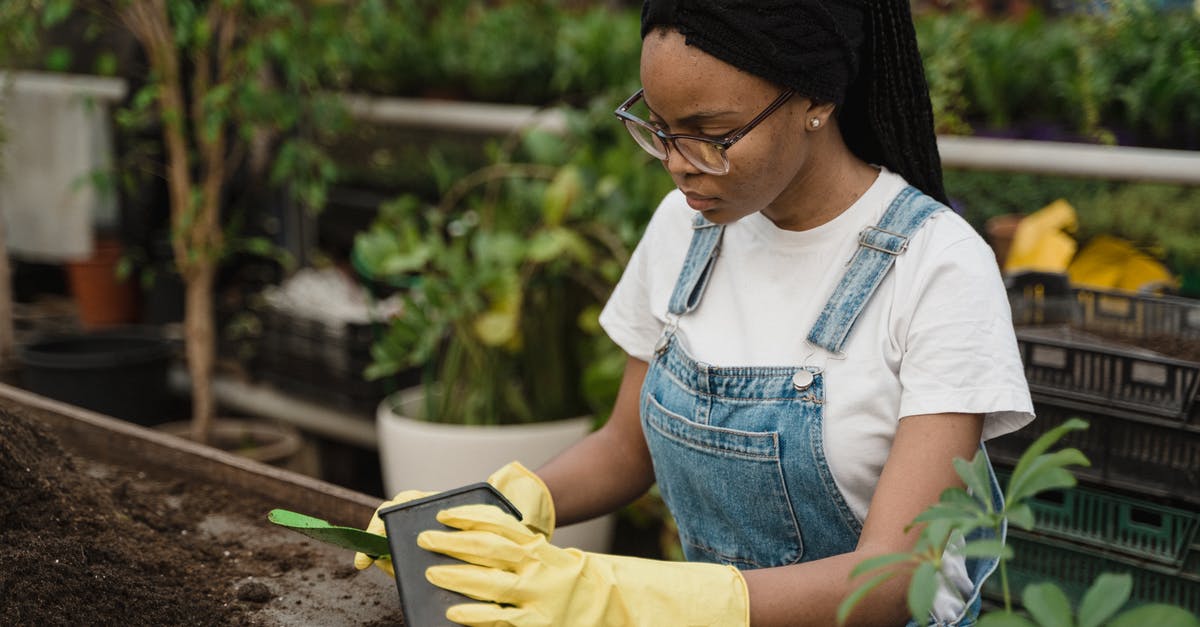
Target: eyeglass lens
705	156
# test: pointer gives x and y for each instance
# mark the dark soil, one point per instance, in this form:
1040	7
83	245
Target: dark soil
93	544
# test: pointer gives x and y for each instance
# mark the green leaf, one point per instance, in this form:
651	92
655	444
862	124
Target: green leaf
921	591
548	244
854	598
58	59
1021	516
1046	472
987	548
562	194
1158	615
1004	619
1047	604
976	475
1108	593
56	11
1043	444
880	561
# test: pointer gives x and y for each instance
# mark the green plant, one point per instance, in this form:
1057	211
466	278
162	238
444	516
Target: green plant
959	513
1126	72
503	279
982	195
233	87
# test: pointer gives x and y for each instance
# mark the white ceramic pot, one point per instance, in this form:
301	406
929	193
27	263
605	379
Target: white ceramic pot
419	455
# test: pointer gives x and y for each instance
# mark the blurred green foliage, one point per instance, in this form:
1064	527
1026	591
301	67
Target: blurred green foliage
504	276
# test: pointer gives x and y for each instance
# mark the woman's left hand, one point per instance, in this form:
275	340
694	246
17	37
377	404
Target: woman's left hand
525	581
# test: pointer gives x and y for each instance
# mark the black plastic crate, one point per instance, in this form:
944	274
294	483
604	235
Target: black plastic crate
1066	363
1039	298
342	349
1139	315
323	361
1139	453
1117	523
1074	568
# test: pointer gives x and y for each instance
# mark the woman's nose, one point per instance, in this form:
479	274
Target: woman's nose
676	163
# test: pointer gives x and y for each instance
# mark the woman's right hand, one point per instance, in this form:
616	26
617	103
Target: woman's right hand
524	489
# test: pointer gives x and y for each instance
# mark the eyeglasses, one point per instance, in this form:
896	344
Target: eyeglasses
706	153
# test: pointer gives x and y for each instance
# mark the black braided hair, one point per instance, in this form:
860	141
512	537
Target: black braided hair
858	54
887	117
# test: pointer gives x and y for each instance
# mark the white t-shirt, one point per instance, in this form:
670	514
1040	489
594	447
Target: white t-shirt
936	336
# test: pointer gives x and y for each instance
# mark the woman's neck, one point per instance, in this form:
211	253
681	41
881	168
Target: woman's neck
833	179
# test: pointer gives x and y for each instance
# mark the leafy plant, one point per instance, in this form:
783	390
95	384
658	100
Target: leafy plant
503	278
1126	72
960	512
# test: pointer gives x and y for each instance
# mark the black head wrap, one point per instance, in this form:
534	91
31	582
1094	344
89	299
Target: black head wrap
858	54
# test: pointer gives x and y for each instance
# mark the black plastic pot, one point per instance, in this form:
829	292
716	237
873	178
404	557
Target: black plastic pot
121	373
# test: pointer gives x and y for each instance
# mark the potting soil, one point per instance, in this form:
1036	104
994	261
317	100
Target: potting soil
86	543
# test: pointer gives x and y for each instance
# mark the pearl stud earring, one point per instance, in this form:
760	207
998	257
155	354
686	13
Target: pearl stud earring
815	123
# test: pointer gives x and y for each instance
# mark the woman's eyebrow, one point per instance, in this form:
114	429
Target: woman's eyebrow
697	118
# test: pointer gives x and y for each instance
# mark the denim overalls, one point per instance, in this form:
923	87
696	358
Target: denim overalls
738	452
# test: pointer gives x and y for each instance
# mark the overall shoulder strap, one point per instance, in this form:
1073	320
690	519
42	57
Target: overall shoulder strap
697	266
878	247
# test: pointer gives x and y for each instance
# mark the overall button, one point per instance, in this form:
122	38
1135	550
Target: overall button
801	380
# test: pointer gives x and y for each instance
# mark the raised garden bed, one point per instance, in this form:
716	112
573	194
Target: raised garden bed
104	522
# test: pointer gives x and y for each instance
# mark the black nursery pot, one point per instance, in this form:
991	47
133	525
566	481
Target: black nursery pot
121	373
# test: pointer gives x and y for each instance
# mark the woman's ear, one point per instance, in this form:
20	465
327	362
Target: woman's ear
818	115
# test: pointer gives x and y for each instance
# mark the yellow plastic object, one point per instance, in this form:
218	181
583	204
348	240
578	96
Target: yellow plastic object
526	581
1111	263
1041	242
524	489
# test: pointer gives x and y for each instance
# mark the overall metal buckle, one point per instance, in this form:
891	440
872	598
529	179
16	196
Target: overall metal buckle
864	242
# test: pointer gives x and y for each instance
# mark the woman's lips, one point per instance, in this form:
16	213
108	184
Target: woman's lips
700	203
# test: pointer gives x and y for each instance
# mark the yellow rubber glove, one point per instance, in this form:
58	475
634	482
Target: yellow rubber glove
518	484
528	582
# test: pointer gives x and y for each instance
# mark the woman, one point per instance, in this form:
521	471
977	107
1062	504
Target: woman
812	340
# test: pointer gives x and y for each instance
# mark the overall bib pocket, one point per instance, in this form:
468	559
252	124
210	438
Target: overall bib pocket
738	510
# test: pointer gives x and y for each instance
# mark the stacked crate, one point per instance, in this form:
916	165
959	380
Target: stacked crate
324	361
1137	509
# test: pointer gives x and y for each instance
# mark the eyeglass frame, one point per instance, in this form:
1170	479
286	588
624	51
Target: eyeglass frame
723	144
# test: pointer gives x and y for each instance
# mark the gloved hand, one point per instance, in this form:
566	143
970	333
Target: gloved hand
528	582
518	484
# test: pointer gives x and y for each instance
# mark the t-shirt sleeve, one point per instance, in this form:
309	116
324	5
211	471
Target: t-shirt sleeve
960	350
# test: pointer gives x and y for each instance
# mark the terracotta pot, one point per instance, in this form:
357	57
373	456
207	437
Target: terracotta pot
1000	231
102	298
420	455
